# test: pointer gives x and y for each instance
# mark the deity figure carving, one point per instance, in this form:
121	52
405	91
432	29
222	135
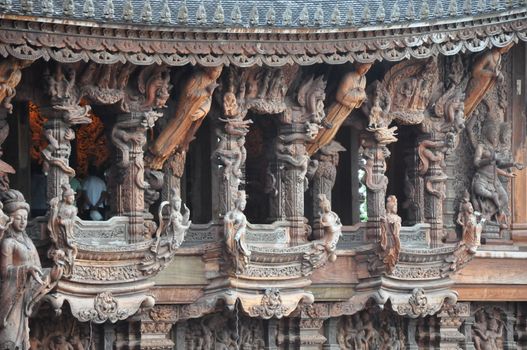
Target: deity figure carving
194	105
489	196
390	241
486	71
331	225
350	95
487	332
61	227
470	223
10	76
178	220
23	280
235	230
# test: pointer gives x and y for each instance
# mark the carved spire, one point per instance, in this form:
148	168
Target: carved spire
452	8
319	16
303	19
509	3
396	12
335	16
201	14
254	16
366	14
146	12
287	17
88	10
47	7
166	13
425	10
5	5
381	12
219	14
68	7
108	10
270	17
467	7
128	11
27	6
182	14
438	11
236	14
482	4
350	16
494	4
410	11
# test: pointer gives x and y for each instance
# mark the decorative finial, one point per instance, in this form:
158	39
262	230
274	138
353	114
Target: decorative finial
108	10
88	10
219	15
467	7
350	16
452	8
201	14
27	6
303	19
146	12
366	14
47	7
380	16
482	4
438	11
319	16
287	17
410	11
396	12
69	8
166	13
425	10
128	10
270	17
5	5
182	14
236	14
254	16
335	16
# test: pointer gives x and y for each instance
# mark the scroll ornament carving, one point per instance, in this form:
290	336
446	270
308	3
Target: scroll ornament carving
350	94
417	305
24	282
61	225
390	242
235	231
10	76
105	308
270	305
196	100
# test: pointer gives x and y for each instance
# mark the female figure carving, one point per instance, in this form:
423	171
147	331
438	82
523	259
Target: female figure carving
330	221
235	226
21	276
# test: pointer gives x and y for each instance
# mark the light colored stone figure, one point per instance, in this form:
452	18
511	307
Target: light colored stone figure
332	226
235	230
178	221
469	221
22	278
61	226
390	240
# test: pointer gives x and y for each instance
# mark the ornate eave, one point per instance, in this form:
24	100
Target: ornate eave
68	41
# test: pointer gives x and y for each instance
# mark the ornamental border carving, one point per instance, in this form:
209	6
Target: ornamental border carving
72	43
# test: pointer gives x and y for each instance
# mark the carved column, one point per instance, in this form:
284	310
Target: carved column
323	179
451	318
330	333
173	172
410	334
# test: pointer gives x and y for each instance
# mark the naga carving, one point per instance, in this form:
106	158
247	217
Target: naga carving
194	104
350	95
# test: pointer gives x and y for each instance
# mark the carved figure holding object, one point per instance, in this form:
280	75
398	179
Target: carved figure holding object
332	226
471	223
235	231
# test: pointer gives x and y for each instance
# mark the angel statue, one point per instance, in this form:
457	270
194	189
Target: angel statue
178	221
330	221
235	230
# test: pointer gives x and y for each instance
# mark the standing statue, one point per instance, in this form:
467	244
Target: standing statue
469	221
488	193
332	226
486	71
390	231
22	279
178	223
235	230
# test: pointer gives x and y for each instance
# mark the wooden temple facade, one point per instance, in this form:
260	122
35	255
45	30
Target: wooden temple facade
272	175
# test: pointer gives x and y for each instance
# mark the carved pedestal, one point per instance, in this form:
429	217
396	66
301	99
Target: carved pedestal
309	333
156	336
451	318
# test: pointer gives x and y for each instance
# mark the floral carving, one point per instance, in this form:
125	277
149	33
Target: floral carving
105	308
270	305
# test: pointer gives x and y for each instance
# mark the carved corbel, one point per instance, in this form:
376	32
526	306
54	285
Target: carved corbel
421	303
194	105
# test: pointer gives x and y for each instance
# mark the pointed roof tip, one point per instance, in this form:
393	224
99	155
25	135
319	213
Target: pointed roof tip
467	7
396	12
303	19
219	14
335	16
425	10
182	14
47	7
128	11
6	5
287	17
26	5
254	16
366	14
380	16
410	10
438	11
350	16
452	8
146	12
270	16
236	14
108	10
201	14
88	10
68	7
166	13
319	16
